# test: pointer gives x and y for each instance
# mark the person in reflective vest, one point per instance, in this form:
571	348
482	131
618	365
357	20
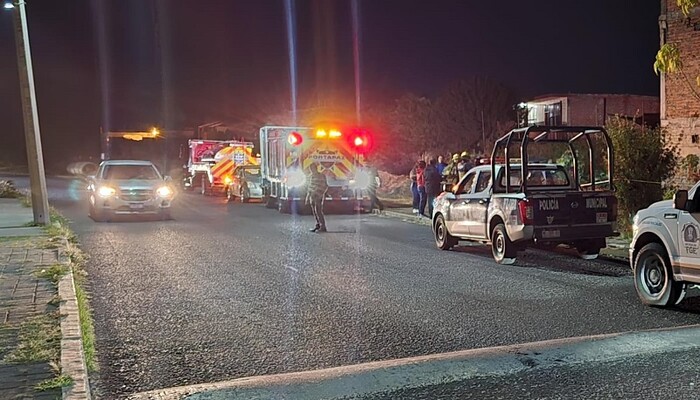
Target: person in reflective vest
316	188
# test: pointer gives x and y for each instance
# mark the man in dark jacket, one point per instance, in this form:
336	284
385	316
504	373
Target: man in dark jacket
432	184
316	189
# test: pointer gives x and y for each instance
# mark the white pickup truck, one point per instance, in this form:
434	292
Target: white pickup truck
665	249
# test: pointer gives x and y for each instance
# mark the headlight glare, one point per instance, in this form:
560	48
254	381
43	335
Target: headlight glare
164	191
106	191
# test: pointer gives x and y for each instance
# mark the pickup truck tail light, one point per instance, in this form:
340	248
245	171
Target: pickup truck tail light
526	212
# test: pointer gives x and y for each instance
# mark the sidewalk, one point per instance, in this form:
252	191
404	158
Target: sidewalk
617	248
33	317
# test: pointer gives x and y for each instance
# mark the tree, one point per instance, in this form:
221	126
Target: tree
472	113
403	132
639	181
668	58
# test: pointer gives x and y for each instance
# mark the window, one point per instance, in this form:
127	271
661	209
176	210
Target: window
467	184
552	114
125	172
483	181
550	177
695	139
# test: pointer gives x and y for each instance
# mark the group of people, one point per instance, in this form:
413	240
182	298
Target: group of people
429	179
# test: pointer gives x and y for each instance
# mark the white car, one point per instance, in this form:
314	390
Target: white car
245	184
126	187
665	249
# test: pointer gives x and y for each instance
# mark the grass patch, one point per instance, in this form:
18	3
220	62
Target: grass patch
87	329
54	273
26	201
30	224
39	340
59	229
58	382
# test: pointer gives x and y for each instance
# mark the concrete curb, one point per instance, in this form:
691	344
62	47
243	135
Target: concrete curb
404	217
385	376
72	354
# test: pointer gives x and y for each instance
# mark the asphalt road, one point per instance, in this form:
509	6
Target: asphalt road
234	290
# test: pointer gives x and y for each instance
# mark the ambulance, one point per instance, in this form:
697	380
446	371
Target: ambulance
288	152
211	163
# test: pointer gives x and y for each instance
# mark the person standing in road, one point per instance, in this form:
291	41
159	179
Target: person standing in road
440	165
432	184
414	188
315	194
464	164
450	173
372	186
420	183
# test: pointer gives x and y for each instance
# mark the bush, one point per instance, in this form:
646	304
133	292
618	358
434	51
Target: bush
643	162
8	190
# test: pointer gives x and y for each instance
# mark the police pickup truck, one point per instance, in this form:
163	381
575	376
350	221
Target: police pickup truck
550	206
665	248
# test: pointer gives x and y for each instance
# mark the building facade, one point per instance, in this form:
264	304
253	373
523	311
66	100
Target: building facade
591	109
680	94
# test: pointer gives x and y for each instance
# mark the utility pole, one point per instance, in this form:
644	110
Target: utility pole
32	135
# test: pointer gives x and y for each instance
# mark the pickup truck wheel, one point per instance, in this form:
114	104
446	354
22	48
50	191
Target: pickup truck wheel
229	194
653	278
443	239
503	250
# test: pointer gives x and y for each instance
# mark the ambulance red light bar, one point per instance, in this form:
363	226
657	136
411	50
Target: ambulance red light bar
361	140
295	139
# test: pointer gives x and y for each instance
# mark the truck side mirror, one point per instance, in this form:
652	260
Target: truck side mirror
680	200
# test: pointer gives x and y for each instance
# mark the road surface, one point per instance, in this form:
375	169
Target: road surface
233	290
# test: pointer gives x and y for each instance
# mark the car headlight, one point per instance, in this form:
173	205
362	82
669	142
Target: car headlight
296	178
164	191
106	191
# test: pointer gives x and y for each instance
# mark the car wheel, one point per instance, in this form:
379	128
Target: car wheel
245	195
503	250
443	239
653	278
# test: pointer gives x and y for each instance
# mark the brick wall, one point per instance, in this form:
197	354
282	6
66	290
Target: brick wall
594	109
682	108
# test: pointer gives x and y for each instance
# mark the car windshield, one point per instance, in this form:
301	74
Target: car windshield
127	172
251	174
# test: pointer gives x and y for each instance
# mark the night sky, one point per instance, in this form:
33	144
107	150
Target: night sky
129	64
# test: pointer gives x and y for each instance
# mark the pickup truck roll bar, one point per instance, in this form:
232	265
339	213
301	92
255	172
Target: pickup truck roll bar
551	134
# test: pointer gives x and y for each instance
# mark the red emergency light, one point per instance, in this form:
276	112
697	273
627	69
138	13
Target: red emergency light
295	138
361	140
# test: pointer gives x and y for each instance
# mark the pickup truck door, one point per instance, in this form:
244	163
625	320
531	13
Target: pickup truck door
478	204
689	241
459	207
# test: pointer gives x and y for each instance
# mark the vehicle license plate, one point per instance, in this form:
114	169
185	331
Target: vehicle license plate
136	206
601	218
550	233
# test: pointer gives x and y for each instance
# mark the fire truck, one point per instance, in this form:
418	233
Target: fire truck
288	152
211	163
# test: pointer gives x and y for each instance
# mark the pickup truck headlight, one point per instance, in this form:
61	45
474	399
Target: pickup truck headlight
106	191
164	191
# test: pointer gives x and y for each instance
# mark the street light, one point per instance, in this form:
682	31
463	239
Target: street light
32	135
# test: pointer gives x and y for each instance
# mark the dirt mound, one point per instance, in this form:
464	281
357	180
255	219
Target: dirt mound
394	186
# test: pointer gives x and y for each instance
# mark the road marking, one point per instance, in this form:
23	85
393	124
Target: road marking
292	268
383	376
